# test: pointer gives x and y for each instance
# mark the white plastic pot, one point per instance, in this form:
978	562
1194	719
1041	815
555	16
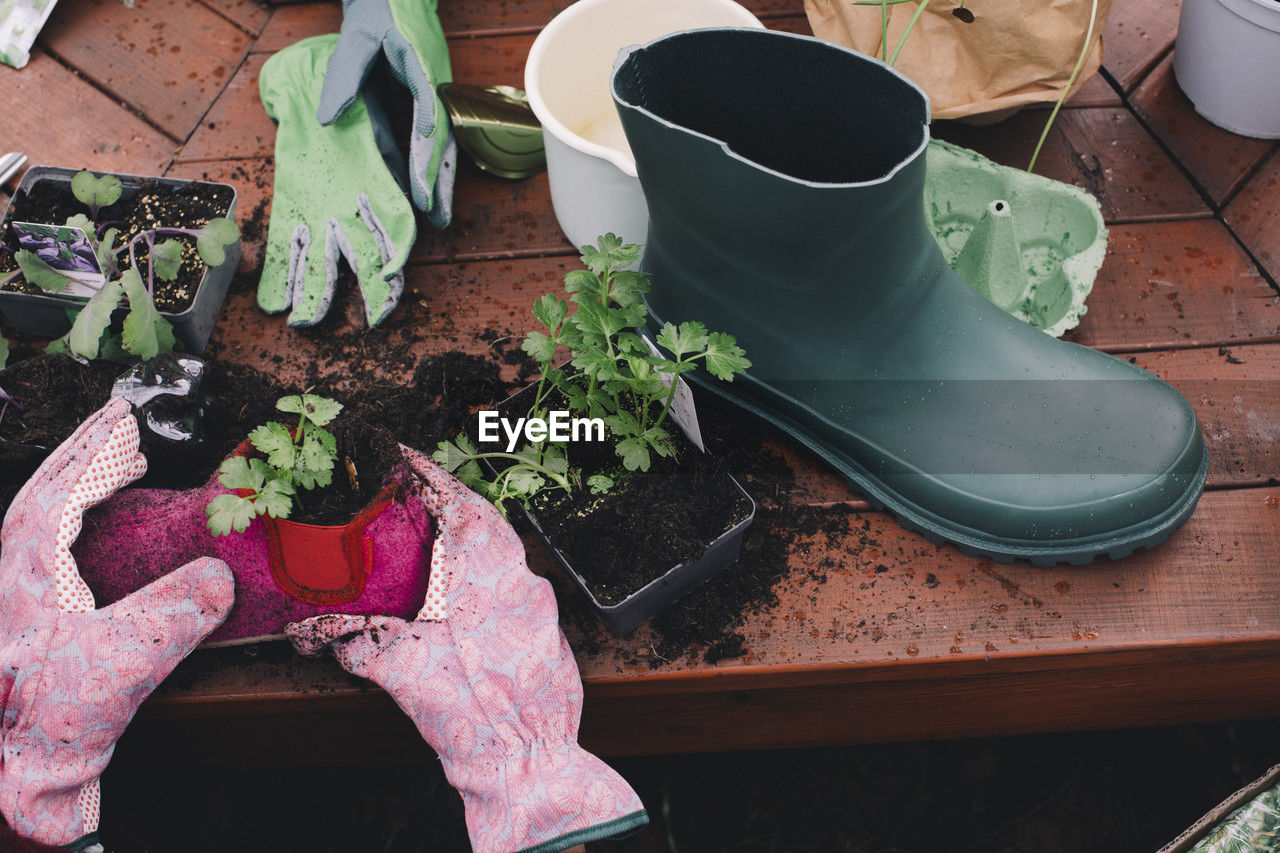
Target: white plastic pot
594	188
1227	61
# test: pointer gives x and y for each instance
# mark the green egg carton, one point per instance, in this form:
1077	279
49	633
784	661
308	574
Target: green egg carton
1030	245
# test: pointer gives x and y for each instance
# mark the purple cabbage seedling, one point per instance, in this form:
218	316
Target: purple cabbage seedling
145	332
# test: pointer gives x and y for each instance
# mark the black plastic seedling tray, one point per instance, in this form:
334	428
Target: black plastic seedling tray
46	316
645	603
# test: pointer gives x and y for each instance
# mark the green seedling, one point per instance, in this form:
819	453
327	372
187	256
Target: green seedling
297	459
145	332
617	377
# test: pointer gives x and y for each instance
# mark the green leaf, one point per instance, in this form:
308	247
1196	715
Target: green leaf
599	483
273	440
630	342
319	410
554	459
592	318
214	237
725	357
56	346
686	338
634	453
166	258
4	351
583	286
105	251
82	222
275	499
309	479
550	311
523	480
596	364
470	475
145	333
609	254
235	472
539	347
626	287
315	456
85	337
94	192
38	273
229	512
452	455
623	424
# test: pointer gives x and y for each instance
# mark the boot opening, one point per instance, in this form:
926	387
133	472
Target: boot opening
810	110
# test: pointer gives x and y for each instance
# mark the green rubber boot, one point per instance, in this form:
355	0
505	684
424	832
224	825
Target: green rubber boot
784	179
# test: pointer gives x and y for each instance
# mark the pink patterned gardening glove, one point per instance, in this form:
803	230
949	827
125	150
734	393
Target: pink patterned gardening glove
71	676
489	681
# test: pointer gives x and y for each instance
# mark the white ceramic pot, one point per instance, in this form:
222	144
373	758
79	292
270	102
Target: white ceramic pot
1228	62
594	188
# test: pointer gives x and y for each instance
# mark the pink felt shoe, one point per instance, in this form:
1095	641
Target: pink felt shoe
490	682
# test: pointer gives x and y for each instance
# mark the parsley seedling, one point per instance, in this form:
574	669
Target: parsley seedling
301	458
618	378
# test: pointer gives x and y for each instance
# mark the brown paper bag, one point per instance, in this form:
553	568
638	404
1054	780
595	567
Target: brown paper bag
1014	53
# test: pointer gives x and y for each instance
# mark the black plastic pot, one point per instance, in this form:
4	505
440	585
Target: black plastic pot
645	603
45	315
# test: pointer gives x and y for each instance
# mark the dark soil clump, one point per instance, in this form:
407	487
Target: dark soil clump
142	207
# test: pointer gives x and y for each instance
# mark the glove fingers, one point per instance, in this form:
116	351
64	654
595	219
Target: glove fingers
429	139
441	211
173	614
313	276
287	245
354	639
348	67
379	260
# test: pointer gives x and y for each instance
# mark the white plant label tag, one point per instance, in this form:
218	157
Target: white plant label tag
683	411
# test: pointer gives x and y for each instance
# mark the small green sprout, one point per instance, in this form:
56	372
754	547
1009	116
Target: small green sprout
301	458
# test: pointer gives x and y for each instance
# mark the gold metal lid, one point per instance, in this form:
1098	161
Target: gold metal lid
495	125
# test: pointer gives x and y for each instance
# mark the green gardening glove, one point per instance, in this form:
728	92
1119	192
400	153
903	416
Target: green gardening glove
335	188
409	34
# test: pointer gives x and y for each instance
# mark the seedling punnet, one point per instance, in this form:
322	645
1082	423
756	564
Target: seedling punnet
559	426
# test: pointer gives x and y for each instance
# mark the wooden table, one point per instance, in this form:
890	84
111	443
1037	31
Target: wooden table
904	639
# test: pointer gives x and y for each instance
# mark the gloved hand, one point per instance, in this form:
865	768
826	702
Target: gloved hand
71	677
408	32
490	682
332	184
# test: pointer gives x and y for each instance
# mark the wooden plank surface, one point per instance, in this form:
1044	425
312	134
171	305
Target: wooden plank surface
58	119
1104	150
248	15
168	59
1218	160
1137	34
470	18
875	633
1254	215
1062	648
1177	284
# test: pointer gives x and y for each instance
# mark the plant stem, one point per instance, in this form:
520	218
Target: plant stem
911	25
560	480
10	277
1075	72
884	30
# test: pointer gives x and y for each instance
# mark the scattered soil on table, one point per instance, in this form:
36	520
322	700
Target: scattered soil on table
143	206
